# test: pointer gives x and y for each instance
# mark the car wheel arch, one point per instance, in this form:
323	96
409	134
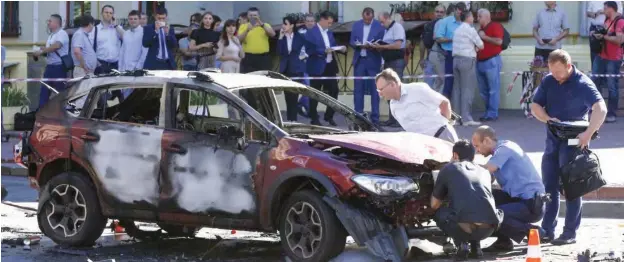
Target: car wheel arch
62	165
299	178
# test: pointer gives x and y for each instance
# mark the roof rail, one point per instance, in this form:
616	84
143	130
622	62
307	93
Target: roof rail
210	69
200	76
270	74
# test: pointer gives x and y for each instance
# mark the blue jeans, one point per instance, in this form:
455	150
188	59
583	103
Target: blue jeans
361	87
398	66
52	71
604	66
557	154
448	80
189	67
488	77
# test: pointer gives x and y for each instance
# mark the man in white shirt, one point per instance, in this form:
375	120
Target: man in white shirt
56	47
132	54
107	40
416	106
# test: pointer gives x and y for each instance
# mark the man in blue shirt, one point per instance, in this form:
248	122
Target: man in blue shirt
522	193
443	34
566	94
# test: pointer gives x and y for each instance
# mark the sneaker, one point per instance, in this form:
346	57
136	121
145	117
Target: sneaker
610	119
472	123
563	240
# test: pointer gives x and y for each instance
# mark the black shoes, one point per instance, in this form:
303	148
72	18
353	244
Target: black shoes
464	251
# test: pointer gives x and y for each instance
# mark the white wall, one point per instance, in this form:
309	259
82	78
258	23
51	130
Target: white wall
270	12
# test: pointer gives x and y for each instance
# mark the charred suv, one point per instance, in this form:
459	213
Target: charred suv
206	149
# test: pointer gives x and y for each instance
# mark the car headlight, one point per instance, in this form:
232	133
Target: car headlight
385	185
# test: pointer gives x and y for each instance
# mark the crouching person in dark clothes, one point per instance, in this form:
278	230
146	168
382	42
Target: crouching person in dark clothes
471	215
522	197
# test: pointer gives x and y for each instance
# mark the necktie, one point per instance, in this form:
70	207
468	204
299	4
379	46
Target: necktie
163	46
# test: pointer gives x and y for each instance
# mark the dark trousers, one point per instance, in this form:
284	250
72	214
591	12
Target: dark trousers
363	86
447	91
557	154
291	98
592	55
446	219
256	62
329	86
158	64
398	66
544	53
105	67
189	67
518	214
52	71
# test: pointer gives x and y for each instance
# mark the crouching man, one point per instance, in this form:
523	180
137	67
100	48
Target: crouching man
522	197
471	215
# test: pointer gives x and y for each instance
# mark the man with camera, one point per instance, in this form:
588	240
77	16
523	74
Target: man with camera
565	95
611	38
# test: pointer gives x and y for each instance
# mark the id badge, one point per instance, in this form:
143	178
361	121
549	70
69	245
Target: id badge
573	142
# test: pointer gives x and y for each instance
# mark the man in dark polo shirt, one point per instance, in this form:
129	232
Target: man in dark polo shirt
566	94
489	64
471	215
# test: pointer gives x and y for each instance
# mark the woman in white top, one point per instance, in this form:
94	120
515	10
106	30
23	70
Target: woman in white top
466	42
230	52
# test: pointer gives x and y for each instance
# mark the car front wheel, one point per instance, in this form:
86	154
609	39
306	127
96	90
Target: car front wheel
71	215
309	228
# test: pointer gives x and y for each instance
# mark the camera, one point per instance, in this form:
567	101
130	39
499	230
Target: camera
600	30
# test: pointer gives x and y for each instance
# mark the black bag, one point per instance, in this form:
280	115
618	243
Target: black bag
581	175
569	130
67	61
24	121
427	35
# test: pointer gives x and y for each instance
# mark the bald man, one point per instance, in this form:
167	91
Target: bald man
489	64
522	195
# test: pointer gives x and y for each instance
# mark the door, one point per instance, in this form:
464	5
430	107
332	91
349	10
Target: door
207	168
121	142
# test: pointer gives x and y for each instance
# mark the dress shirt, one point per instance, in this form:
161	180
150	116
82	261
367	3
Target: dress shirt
465	39
163	54
418	109
303	54
326	40
61	37
551	22
367	29
132	54
289	41
108	43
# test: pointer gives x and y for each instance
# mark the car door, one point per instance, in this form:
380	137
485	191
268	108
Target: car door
121	142
208	172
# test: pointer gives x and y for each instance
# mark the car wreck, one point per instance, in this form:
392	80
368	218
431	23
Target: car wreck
208	149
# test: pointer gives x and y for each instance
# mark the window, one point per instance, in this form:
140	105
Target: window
76	9
203	111
320	6
10	19
139	105
149	8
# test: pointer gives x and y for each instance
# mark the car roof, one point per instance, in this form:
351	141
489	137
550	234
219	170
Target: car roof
229	81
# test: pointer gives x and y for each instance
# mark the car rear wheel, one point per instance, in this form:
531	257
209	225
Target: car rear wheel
71	215
309	228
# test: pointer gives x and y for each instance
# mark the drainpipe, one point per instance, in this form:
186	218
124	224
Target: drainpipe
35	23
341	11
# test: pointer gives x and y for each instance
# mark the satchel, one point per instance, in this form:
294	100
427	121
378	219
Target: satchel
581	175
569	130
24	121
67	61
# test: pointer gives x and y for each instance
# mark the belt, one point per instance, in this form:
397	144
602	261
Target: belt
439	132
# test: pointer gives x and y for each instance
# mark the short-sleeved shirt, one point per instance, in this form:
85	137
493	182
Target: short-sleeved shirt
393	33
494	30
418	109
446	28
550	24
61	37
613	51
516	173
184	44
203	35
569	101
256	41
81	39
469	192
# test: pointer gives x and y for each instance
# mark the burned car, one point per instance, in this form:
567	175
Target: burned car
185	150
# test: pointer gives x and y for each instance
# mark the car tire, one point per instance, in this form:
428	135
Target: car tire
306	215
179	230
71	216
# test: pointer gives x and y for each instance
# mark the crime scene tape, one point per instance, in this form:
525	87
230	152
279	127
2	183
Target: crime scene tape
516	73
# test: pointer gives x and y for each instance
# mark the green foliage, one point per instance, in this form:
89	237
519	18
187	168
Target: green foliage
12	96
201	98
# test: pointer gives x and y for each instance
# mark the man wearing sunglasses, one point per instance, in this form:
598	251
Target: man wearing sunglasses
416	106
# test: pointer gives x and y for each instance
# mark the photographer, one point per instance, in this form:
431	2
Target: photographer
255	38
611	37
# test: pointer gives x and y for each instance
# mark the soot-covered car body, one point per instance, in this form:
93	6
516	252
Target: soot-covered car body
186	150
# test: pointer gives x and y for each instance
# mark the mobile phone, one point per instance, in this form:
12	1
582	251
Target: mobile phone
161	23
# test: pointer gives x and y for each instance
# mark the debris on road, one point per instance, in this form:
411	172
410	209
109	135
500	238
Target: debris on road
22	241
70	250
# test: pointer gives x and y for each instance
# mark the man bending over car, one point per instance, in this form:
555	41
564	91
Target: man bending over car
471	215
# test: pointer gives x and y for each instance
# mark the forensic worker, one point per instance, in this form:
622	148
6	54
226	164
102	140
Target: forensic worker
566	94
416	106
471	215
522	194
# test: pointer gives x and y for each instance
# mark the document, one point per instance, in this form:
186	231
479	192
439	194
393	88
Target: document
339	48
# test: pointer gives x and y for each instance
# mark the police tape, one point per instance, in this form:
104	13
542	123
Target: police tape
422	76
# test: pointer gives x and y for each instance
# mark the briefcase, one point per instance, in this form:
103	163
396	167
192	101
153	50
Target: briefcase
581	175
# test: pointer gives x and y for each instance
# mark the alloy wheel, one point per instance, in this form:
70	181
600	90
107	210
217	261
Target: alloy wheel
66	210
304	230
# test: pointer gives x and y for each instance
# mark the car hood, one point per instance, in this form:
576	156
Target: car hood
405	147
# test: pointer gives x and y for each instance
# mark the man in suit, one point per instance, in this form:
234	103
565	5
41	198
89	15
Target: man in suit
289	48
160	40
321	62
366	61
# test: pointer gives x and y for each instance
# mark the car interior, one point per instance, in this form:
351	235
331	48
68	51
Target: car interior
141	105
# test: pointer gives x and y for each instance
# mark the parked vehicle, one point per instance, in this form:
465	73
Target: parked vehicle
186	150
